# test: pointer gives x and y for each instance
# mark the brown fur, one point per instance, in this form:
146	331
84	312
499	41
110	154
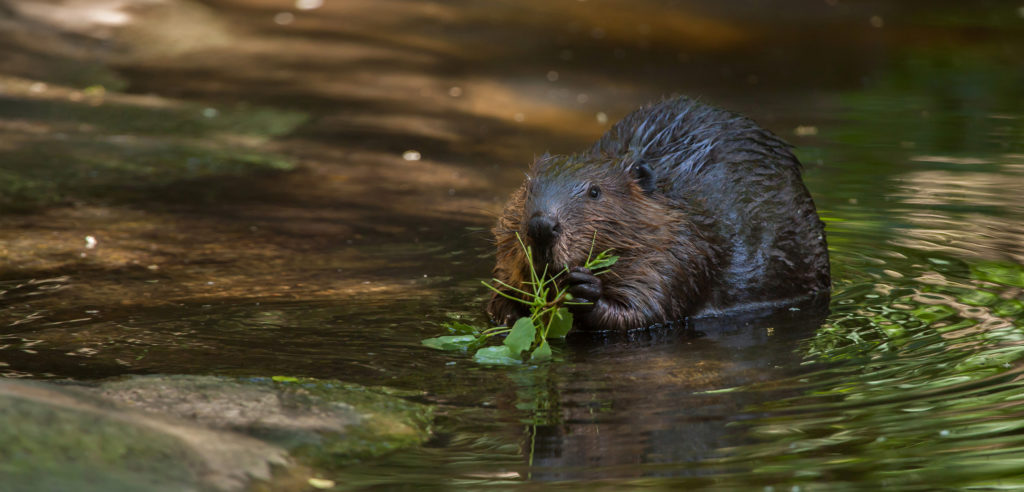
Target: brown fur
655	270
670	178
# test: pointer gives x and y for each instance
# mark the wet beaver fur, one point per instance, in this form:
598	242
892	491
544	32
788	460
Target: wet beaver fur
707	211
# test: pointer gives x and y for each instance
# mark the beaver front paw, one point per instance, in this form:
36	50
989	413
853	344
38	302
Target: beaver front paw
584	287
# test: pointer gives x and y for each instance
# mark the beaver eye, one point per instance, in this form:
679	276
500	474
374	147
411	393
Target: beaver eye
594	192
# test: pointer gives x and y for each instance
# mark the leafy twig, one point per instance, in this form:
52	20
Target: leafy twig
528	336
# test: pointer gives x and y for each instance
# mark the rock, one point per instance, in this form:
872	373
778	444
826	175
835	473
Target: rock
62	438
193	432
317	419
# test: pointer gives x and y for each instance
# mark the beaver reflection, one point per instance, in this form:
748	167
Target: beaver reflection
640	408
706	210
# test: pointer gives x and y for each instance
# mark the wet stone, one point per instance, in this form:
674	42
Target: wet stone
326	421
193	432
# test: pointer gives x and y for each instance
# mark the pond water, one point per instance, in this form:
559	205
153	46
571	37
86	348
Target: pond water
308	194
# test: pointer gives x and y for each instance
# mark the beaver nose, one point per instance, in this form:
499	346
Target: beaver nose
542	230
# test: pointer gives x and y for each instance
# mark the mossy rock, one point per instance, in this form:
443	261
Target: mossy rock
63	438
319	421
195	432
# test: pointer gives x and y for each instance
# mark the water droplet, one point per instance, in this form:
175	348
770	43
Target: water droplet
602	118
284	18
37	87
308	4
411	155
90	242
320	483
877	21
805	130
552	76
210	112
519	117
455	91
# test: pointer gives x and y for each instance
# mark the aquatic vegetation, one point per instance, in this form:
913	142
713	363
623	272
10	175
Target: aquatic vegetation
528	337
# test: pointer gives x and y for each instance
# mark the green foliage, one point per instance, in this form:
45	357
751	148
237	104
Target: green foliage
521	337
528	337
453	342
498	356
560	324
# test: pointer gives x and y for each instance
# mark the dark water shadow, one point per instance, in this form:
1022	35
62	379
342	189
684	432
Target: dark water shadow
658	404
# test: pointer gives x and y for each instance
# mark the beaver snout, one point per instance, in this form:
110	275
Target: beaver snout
542	230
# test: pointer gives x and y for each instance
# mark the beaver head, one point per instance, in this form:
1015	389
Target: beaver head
572	207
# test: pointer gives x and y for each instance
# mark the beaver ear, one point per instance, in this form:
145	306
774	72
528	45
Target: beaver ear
644	177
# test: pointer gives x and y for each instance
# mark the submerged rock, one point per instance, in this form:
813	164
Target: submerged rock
63	438
319	420
193	432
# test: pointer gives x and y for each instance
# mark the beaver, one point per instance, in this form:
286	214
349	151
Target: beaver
706	210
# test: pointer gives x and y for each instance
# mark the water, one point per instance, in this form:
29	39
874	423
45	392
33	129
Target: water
263	221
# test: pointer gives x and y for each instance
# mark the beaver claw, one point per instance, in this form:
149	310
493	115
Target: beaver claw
584	287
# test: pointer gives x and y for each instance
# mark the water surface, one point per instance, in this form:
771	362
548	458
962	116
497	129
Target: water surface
310	196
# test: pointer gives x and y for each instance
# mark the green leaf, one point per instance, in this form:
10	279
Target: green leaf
453	342
542	353
521	336
600	263
561	325
461	328
498	355
284	379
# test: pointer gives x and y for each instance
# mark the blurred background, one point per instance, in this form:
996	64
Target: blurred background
307	185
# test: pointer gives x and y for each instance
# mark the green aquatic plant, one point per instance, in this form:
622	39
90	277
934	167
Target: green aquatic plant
527	338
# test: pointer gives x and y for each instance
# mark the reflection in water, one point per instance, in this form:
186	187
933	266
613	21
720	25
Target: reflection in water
626	409
252	213
926	385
